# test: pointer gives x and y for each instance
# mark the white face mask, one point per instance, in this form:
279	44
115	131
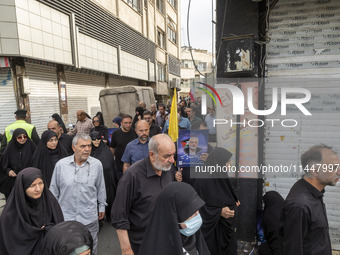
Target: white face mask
193	225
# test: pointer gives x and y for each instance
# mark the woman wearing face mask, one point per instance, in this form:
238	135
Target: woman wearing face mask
102	130
174	225
17	156
219	211
68	238
30	211
101	152
47	154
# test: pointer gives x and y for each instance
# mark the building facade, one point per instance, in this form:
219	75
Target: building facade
204	62
56	56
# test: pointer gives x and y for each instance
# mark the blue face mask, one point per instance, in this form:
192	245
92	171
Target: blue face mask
193	225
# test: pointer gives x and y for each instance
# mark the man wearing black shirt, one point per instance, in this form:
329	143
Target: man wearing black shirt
137	190
120	138
154	129
304	224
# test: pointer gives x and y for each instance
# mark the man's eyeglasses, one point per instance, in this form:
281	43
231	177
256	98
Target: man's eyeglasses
20	137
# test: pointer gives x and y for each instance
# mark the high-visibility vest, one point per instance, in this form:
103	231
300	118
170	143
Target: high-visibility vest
18	124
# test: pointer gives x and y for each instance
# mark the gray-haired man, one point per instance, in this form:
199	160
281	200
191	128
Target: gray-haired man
78	184
304	221
137	190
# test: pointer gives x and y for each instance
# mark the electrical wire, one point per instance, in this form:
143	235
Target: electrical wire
220	45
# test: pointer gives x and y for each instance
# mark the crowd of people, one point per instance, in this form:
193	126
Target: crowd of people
61	187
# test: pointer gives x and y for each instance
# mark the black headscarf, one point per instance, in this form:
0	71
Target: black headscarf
176	203
57	118
217	193
271	220
45	158
139	111
23	218
104	155
103	131
64	238
100	117
15	157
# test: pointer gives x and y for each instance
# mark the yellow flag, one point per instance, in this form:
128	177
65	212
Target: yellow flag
173	121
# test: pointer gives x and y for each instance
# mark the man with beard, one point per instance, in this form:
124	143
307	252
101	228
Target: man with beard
193	149
137	191
120	138
64	139
137	149
154	129
304	224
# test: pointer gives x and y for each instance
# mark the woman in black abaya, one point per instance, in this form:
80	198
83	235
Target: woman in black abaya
17	156
221	202
57	118
174	224
68	237
30	211
138	116
101	129
273	203
47	154
102	152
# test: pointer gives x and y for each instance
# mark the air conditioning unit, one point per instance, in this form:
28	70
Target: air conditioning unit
175	83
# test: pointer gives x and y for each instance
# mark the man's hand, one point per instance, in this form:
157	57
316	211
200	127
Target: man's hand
12	174
127	252
238	203
227	213
204	156
101	215
178	175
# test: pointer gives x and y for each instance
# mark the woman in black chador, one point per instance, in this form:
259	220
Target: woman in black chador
68	237
102	152
174	225
273	203
138	116
31	210
47	154
58	119
101	129
17	156
219	211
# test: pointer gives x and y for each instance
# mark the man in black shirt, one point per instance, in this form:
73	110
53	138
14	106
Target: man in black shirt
64	139
120	138
137	190
154	129
304	224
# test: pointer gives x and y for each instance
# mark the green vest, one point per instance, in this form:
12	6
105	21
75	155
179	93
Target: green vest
18	124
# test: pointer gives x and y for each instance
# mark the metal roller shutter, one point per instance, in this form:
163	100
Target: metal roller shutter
83	93
8	102
304	52
44	97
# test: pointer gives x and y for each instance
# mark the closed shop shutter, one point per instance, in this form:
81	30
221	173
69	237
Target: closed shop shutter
44	95
7	102
304	52
83	93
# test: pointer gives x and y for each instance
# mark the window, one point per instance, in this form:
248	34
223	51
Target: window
202	66
185	63
161	72
171	31
135	4
173	3
160	38
160	6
